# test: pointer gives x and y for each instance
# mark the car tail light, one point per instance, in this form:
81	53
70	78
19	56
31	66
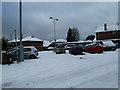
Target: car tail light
35	51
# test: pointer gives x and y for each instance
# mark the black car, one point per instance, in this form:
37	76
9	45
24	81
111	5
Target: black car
77	50
110	48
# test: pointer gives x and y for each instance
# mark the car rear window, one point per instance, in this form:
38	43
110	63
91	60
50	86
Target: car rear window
27	49
59	46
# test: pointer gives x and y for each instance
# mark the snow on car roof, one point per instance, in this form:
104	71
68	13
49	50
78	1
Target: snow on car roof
81	41
29	47
109	28
108	43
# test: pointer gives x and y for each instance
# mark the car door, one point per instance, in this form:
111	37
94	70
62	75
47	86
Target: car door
27	52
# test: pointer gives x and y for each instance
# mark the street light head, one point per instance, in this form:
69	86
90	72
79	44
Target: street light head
51	17
56	19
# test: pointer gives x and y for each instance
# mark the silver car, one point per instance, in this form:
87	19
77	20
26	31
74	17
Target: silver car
60	49
29	52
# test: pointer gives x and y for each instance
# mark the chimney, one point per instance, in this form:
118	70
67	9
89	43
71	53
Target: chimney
105	27
32	36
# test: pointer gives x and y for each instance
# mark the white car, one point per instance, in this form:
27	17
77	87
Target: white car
29	52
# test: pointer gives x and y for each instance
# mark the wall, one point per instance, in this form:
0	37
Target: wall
108	35
37	44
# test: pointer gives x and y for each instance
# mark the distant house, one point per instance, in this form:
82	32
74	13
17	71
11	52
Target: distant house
28	41
110	32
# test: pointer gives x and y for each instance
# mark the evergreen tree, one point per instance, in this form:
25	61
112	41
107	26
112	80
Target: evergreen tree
69	35
4	44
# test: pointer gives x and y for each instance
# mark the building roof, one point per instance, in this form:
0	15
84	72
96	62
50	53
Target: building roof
109	28
60	40
30	38
14	40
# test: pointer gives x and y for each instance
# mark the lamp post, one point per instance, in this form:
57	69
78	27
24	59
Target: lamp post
15	38
54	19
10	37
16	43
21	52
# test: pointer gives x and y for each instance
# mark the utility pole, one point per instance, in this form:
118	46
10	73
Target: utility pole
16	43
15	38
21	51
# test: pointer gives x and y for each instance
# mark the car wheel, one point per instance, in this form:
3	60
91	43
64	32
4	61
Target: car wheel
32	57
57	53
113	49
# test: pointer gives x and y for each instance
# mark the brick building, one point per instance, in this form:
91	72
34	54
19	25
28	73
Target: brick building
108	32
28	41
108	35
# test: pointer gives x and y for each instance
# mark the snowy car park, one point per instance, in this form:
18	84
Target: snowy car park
51	70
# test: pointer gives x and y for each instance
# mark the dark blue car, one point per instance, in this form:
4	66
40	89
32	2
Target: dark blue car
76	50
118	45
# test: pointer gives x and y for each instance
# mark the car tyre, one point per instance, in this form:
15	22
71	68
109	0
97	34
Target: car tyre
32	57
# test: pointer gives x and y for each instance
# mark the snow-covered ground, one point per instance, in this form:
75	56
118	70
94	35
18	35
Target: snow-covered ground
63	71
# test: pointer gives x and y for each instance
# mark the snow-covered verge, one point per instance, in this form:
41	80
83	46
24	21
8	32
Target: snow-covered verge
63	71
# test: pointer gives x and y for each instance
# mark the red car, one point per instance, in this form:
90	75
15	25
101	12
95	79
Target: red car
94	48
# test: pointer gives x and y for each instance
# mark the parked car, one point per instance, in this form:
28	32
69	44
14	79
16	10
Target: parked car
94	48
12	53
5	59
108	45
29	52
68	46
118	45
60	49
76	50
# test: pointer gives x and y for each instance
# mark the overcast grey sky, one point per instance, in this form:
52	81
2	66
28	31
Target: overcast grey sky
85	16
